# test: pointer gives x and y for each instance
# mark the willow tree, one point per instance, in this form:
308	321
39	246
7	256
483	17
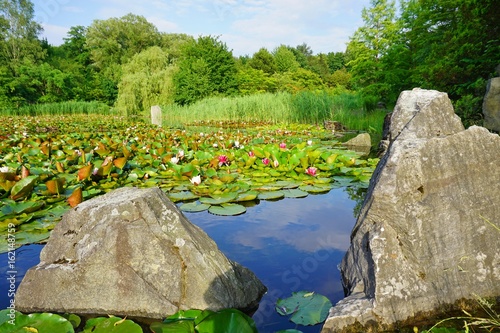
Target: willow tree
146	81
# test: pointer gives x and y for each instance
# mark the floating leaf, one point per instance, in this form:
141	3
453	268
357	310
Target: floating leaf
305	308
246	196
219	199
183	326
120	162
76	197
271	195
55	186
315	189
111	325
227	209
84	172
182	196
38	322
194	207
295	193
226	321
23	187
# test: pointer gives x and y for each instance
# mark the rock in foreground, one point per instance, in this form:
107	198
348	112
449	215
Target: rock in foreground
132	253
427	234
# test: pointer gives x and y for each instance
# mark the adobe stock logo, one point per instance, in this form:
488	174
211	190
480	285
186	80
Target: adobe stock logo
47	9
224	8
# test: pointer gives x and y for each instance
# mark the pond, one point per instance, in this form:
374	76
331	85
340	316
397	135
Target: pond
290	244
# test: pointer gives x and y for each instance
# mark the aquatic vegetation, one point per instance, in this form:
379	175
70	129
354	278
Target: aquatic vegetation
51	164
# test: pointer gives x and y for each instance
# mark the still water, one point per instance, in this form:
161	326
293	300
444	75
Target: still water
290	244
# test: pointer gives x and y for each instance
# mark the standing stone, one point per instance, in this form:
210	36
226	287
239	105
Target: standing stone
132	253
427	235
491	105
156	117
361	143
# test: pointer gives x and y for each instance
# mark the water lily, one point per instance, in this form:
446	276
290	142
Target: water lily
215	145
283	145
174	160
4	169
180	154
196	180
265	161
251	153
223	160
276	163
309	142
237	144
311	171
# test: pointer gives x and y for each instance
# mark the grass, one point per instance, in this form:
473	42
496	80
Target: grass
280	108
60	108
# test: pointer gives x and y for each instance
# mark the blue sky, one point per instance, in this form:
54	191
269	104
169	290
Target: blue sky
244	25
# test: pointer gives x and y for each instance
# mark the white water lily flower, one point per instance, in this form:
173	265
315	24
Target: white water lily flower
174	160
196	180
4	169
309	142
180	153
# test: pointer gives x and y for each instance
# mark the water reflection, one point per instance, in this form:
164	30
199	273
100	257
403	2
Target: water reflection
291	245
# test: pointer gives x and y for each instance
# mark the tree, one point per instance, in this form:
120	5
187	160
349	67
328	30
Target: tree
253	81
207	68
285	59
147	80
370	44
264	61
19	33
115	41
335	60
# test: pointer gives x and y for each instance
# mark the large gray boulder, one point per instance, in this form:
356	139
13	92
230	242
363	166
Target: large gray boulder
425	238
132	253
491	105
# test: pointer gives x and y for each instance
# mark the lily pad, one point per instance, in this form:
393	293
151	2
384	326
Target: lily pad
219	199
226	321
194	207
38	322
23	187
305	308
271	195
316	189
295	193
227	209
182	196
111	325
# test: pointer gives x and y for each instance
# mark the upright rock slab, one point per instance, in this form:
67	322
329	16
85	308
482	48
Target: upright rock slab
427	234
132	253
491	105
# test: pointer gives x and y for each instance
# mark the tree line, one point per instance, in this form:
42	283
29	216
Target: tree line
450	45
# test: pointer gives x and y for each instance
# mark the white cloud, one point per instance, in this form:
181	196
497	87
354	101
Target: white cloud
54	33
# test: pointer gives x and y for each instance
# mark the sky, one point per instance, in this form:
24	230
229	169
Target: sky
244	25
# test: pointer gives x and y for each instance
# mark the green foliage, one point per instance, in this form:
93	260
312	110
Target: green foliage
305	308
111	324
115	41
263	60
147	80
35	322
60	108
207	68
253	81
285	60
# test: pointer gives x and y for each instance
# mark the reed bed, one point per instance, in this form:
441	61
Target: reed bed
59	108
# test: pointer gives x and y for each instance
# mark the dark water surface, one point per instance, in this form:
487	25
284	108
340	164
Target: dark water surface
290	244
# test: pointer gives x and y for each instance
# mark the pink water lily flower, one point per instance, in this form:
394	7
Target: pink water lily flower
311	171
251	153
283	145
265	161
223	160
196	180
